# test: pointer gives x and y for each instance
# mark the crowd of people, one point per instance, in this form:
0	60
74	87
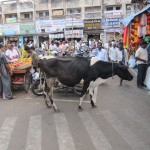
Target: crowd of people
113	51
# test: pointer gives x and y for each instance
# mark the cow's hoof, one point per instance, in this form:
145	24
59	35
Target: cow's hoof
57	110
80	109
48	104
94	106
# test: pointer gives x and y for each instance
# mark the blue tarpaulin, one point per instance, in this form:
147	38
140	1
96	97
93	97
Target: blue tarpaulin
128	19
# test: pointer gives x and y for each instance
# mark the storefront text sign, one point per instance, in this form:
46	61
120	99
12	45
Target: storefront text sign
47	26
91	24
74	22
11	29
110	23
11	20
27	28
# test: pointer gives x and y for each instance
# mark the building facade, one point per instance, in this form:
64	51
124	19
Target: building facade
44	20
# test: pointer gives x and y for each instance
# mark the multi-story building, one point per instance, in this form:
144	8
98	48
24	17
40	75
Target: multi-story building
38	20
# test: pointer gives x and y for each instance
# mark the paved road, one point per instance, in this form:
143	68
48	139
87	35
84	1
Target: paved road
121	121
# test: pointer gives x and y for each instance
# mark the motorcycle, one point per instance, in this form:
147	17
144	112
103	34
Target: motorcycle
37	87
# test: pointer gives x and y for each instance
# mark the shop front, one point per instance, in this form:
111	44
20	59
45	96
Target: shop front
27	33
92	29
137	29
11	33
48	30
112	28
1	35
74	29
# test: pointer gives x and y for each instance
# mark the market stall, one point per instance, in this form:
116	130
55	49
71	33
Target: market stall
21	75
137	28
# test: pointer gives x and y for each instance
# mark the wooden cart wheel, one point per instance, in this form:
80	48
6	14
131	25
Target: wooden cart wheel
27	81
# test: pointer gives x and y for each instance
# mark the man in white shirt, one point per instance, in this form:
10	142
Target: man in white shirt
100	53
113	53
52	46
141	56
121	56
11	54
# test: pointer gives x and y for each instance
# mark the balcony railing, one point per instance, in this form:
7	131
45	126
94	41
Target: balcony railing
42	18
95	15
25	19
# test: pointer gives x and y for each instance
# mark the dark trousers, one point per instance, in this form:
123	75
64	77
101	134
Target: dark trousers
141	74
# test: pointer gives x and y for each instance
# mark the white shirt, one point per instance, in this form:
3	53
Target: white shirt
141	53
52	47
100	54
11	54
119	56
113	53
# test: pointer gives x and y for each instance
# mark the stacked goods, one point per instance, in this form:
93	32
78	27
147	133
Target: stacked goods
21	64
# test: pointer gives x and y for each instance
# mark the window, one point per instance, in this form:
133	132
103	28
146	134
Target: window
10	16
128	7
118	8
46	13
41	14
109	9
26	15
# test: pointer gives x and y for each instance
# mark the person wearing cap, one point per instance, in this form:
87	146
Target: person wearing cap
5	76
141	56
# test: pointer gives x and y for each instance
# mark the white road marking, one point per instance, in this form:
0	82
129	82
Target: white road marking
126	133
65	139
137	118
96	135
34	134
6	131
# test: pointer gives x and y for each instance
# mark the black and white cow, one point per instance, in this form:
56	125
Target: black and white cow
70	71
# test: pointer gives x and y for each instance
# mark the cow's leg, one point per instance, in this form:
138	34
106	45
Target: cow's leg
51	99
46	97
121	80
91	93
94	97
83	94
51	83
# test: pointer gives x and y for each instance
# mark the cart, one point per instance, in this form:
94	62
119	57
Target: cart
21	78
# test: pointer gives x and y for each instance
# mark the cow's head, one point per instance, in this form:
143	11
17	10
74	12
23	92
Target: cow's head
123	72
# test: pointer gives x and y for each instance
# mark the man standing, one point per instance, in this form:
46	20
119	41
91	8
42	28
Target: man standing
112	53
100	53
5	78
121	56
141	56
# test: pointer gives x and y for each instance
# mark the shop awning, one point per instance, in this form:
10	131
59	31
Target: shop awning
128	19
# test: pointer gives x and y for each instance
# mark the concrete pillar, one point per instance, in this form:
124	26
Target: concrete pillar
50	9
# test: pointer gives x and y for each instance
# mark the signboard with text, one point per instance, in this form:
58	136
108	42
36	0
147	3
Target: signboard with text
110	23
48	26
27	28
92	24
11	29
74	22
